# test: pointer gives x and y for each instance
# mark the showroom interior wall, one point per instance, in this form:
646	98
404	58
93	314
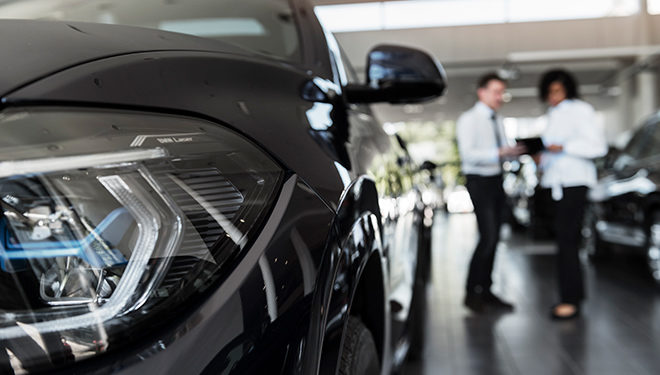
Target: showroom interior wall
616	60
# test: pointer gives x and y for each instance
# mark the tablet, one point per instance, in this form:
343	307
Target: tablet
533	145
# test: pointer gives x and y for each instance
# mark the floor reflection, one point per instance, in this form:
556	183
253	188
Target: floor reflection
618	332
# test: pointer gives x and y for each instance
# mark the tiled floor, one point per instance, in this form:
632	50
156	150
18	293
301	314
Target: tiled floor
618	333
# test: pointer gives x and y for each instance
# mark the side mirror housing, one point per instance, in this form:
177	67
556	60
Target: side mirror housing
397	74
609	160
428	165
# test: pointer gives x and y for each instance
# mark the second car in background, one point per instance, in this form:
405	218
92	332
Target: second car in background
625	210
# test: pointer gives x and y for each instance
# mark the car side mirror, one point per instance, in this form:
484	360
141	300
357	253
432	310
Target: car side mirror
428	165
610	158
397	74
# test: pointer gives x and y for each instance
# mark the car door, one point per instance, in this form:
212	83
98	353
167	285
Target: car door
382	157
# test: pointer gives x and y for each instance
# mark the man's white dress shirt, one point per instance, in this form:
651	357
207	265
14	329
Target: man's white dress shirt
477	145
574	125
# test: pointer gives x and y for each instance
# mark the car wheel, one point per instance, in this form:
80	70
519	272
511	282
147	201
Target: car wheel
593	247
417	322
359	356
418	306
653	248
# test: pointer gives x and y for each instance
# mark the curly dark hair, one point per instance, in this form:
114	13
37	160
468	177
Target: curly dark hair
562	76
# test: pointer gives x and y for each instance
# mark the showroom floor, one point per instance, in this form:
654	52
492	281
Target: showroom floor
618	332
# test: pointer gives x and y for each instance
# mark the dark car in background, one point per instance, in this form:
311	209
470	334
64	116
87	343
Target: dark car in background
200	186
625	205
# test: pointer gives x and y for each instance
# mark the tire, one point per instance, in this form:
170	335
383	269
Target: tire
595	249
653	248
417	323
418	306
359	355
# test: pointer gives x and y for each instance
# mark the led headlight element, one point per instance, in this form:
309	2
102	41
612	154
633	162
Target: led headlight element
11	168
98	231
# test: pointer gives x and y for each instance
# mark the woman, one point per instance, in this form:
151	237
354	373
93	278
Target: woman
573	137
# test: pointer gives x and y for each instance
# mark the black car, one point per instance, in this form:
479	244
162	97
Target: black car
199	186
625	209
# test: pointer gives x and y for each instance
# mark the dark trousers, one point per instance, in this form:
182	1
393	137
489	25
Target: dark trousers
569	212
488	199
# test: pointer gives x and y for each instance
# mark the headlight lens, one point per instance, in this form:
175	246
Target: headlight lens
109	216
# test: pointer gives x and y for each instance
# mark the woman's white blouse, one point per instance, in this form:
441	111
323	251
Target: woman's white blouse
574	125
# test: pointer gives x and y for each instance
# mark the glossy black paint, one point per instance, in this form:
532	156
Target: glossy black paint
627	189
337	243
245	93
399	74
626	202
76	44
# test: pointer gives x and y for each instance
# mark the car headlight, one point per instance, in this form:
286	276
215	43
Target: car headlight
108	217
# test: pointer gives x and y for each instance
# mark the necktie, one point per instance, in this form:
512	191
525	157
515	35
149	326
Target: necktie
498	140
496	129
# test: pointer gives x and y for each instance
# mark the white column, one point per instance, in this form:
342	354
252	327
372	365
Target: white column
647	95
646	101
625	102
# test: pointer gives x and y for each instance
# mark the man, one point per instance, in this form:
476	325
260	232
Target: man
482	146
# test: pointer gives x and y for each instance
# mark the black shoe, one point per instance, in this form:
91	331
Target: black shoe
554	315
494	301
475	302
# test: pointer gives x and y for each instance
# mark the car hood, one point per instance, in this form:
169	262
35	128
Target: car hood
641	181
28	56
89	65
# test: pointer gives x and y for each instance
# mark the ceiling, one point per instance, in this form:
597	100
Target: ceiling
602	53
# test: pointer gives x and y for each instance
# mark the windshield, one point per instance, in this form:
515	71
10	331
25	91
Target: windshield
262	26
645	143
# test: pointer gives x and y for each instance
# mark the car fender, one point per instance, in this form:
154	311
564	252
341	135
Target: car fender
353	265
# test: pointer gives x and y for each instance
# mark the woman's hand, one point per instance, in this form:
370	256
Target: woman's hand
555	148
550	148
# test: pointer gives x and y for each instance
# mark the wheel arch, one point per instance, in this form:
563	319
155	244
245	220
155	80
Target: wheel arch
352	278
